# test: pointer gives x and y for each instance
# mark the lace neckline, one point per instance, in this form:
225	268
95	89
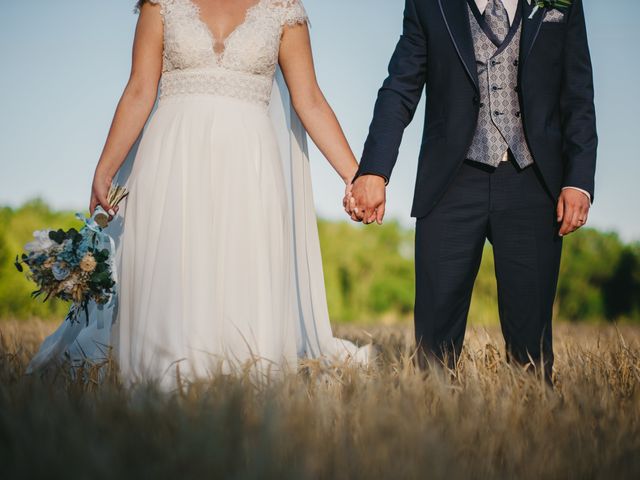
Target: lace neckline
219	46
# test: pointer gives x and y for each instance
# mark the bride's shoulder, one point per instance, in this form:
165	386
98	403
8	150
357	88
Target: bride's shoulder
291	12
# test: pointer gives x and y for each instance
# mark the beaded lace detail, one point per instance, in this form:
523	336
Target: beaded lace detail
245	66
217	81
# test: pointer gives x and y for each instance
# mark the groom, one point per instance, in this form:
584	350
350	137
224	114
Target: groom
508	154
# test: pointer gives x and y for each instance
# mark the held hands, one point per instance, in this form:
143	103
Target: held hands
365	202
573	210
365	199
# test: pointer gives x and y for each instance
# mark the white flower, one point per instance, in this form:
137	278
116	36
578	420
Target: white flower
41	243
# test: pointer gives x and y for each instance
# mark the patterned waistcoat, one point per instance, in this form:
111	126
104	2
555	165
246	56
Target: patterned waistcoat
500	121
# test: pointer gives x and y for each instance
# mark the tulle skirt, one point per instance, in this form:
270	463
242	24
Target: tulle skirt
206	278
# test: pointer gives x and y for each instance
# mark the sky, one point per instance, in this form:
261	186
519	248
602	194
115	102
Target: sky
65	64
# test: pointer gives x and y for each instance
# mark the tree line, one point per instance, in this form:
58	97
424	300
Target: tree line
369	272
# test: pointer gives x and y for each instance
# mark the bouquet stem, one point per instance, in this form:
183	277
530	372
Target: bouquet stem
114	197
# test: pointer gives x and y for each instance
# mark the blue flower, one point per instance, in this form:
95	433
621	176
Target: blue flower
60	272
38	259
68	253
83	248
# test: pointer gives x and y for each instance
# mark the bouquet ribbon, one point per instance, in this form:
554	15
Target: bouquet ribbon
103	241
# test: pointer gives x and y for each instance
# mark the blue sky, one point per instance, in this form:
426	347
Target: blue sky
65	64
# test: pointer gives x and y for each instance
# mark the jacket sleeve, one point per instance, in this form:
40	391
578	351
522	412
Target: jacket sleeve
580	139
397	99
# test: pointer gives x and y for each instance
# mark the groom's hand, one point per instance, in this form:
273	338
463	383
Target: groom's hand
369	199
573	210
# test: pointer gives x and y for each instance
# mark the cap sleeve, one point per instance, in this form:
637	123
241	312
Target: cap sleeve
292	12
142	2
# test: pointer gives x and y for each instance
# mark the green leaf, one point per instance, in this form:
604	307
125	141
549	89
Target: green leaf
102	255
74	235
57	236
18	265
99	277
557	3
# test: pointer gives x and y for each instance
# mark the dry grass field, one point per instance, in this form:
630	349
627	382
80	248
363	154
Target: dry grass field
486	420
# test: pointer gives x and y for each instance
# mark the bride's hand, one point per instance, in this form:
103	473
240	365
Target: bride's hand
99	192
348	202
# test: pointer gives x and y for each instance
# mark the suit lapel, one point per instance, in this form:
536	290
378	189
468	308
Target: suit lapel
456	18
530	29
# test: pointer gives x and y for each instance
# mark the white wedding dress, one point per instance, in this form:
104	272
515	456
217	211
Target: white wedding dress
218	253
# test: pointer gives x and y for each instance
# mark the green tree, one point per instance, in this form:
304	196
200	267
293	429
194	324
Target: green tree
622	290
16	229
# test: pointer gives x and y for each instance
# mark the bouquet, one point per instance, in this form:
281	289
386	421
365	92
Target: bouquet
72	265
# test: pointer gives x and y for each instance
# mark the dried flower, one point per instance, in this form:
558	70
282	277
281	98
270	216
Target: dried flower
88	263
77	293
70	284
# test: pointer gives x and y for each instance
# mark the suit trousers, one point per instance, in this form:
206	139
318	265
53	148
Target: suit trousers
512	209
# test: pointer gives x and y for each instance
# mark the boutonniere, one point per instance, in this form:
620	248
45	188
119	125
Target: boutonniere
549	4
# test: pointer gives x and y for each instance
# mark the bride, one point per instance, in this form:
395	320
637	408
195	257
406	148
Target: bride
218	253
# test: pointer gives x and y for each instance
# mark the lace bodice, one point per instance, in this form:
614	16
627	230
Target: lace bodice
242	66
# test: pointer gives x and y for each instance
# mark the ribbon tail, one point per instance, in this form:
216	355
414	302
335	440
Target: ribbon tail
99	319
114	275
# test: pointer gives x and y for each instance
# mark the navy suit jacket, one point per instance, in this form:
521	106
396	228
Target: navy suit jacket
435	53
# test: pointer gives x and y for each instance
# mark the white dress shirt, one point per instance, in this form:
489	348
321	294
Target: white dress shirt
511	6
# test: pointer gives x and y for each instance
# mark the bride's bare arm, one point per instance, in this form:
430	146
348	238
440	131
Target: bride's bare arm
296	62
135	104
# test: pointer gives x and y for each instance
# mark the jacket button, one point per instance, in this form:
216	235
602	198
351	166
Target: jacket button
518	114
476	100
